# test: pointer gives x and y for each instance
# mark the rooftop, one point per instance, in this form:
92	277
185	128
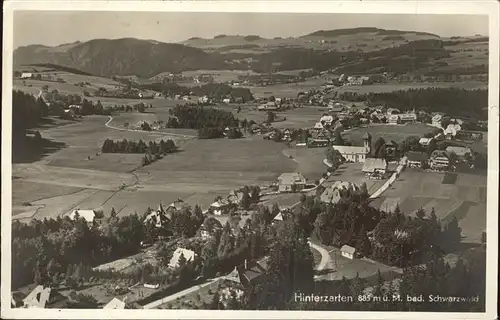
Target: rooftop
372	164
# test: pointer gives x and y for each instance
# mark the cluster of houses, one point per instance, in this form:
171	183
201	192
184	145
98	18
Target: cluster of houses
441	159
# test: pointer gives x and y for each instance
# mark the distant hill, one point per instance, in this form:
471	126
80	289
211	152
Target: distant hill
105	57
354	31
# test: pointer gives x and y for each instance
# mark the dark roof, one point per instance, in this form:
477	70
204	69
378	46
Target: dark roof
417	156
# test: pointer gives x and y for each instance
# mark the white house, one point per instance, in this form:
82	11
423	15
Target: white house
189	255
37	298
374	166
88	215
26	75
326	119
219	206
348	251
353	153
425	141
227	100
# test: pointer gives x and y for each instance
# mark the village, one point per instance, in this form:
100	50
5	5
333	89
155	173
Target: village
227	178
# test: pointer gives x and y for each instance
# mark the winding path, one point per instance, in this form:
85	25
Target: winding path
325	256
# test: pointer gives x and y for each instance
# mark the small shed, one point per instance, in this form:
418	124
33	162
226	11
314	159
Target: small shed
348	251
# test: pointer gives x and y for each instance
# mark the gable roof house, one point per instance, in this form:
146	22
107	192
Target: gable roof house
220	207
287	182
38	298
416	159
333	194
348	251
158	217
408	117
374	166
247	273
394	119
189	255
439	159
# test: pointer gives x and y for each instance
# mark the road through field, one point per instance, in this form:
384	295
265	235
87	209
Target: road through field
325	256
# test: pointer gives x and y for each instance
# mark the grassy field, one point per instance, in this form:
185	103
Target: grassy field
389	132
389	87
464	198
289	90
67	179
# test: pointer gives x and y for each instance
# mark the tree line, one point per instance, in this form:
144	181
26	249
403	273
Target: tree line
452	101
128	146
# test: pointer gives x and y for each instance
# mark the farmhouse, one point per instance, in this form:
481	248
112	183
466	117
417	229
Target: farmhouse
439	160
333	194
416	159
291	182
459	151
88	215
209	227
26	75
348	251
189	255
375	166
335	107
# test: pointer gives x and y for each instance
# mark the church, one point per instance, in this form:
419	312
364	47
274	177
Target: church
356	153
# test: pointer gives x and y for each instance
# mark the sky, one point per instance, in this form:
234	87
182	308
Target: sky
54	28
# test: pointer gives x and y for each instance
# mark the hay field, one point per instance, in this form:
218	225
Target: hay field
389	132
66	179
289	90
389	87
465	199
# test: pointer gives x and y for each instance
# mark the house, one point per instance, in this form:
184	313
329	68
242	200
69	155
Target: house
451	130
416	159
209	227
220	207
203	99
439	160
189	255
318	126
425	141
291	182
158	217
353	153
235	197
394	119
326	120
392	111
408	117
38	298
343	115
375	166
26	75
226	100
88	215
333	194
436	120
247	273
348	251
115	303
459	151
269	106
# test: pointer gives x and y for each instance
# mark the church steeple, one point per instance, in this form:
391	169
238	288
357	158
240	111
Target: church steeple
367	142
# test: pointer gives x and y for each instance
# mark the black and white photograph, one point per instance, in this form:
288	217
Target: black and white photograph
173	160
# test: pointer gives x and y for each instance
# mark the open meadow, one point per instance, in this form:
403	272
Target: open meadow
451	195
396	86
389	132
79	176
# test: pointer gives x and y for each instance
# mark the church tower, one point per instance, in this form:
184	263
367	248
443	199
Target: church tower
367	142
